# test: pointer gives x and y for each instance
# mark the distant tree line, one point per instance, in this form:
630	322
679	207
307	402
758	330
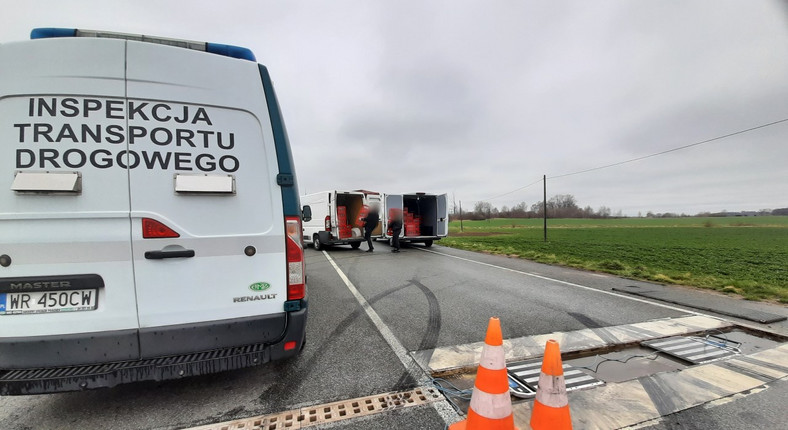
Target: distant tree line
565	206
762	212
559	206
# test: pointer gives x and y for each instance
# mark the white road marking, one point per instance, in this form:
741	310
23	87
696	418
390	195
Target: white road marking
446	412
384	330
571	284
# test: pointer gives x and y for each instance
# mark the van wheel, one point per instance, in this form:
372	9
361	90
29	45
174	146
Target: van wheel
427	243
316	243
355	245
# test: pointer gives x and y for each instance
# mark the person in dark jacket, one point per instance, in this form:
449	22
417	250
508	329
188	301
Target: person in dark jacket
370	223
396	228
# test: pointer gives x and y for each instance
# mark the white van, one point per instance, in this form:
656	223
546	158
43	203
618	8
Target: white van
425	216
150	226
336	217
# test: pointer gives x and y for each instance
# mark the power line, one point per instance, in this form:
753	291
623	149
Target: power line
669	150
639	158
513	191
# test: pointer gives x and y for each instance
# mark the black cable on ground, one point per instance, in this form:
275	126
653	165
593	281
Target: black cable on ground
448	389
619	360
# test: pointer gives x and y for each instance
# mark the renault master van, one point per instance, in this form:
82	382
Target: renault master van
150	226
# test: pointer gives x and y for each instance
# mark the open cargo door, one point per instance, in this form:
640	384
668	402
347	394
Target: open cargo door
391	201
443	215
373	199
349	210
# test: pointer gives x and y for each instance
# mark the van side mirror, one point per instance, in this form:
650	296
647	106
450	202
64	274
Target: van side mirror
306	213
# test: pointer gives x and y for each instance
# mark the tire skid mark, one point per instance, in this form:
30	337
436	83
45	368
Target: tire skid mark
279	389
415	372
597	327
430	338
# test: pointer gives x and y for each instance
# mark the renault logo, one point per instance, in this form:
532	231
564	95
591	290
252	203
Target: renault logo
260	286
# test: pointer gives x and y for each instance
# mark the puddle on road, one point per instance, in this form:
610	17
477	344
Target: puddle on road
623	364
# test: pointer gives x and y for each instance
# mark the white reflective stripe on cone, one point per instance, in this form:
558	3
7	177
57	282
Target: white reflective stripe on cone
552	391
492	406
492	357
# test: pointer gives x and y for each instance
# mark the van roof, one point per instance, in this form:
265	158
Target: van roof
213	48
368	192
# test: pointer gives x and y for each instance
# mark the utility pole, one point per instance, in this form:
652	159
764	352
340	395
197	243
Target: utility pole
461	215
544	205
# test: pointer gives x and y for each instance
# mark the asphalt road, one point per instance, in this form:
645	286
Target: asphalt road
764	409
424	299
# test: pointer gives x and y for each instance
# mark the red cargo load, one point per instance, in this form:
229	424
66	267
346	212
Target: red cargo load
361	215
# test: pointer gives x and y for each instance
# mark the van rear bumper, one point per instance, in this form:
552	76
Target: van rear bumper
420	238
327	238
68	349
60	377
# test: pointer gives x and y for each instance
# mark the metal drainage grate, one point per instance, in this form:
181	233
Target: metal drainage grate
331	412
527	372
696	350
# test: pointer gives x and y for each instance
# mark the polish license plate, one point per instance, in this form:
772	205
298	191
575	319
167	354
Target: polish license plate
38	302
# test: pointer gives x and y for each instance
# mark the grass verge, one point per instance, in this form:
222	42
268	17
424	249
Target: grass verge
742	256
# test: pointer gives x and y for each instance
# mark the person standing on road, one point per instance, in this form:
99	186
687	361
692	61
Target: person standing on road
396	228
370	223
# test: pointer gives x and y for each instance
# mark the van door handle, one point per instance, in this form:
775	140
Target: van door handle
158	255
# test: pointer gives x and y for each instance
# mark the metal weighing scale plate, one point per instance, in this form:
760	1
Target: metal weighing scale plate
528	372
695	350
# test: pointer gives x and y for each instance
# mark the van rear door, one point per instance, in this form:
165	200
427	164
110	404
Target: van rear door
443	215
391	201
207	170
373	199
64	205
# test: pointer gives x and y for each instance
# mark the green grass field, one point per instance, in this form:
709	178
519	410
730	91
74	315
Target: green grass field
745	256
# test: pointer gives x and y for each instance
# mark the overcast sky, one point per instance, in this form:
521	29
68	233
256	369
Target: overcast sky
479	98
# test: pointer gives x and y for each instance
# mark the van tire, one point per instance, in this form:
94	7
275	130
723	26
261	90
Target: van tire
316	243
427	243
355	245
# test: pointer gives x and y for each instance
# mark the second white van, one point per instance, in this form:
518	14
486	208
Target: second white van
425	216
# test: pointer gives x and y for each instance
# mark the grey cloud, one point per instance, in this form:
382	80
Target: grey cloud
481	98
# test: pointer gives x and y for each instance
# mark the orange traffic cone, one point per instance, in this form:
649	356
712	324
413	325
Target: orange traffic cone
551	406
491	406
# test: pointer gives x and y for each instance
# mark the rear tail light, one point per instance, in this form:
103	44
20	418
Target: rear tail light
328	222
296	288
152	229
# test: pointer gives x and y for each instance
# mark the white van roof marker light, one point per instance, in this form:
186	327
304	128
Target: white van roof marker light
231	51
49	32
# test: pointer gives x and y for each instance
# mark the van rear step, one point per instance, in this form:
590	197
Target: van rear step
63	379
